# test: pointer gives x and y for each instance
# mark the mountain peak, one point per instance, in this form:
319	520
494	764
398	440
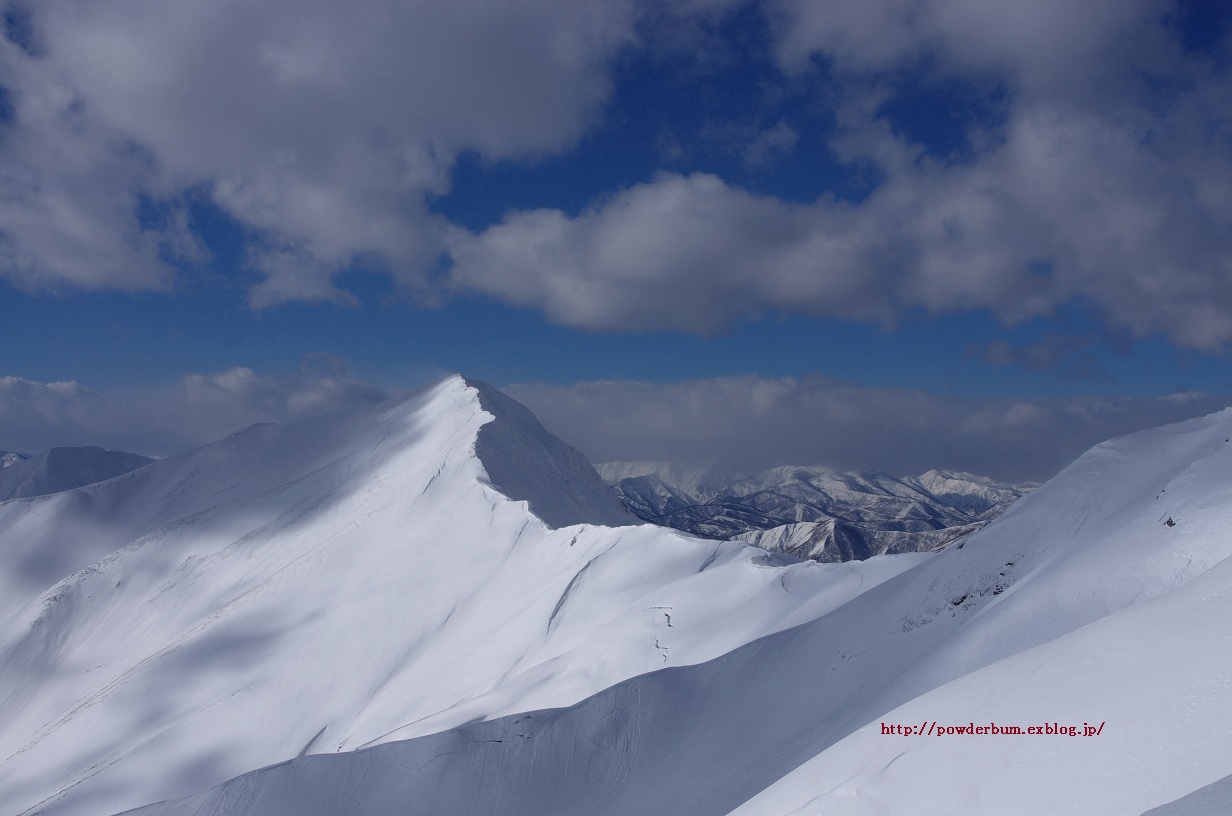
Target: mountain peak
1078	603
11	458
336	582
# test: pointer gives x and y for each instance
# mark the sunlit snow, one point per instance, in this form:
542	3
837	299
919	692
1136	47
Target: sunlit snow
351	602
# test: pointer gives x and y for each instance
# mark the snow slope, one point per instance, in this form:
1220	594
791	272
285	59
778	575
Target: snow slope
1081	604
526	463
1155	677
1213	800
341	582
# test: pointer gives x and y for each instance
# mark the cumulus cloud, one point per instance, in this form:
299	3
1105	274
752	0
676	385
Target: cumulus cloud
770	144
682	252
1066	355
322	127
1047	44
200	408
35	416
319	126
755	422
70	190
1107	181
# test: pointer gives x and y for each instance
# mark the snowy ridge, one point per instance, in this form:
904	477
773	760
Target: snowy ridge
1102	597
341	582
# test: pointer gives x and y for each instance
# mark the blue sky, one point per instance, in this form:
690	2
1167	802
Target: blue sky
1013	216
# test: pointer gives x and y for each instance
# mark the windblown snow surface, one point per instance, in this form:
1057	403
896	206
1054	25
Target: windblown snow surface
1102	598
334	584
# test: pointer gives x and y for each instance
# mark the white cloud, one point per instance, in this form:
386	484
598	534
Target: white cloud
748	421
69	188
679	252
33	415
200	408
1048	46
771	143
322	127
319	125
756	422
1099	186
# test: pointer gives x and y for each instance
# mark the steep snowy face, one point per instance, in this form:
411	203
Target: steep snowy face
61	469
526	463
1100	599
340	582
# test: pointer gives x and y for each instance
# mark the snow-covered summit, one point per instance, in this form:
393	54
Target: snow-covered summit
975	494
1099	602
695	482
339	582
11	458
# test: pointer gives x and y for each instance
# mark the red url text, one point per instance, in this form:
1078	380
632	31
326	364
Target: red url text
1052	729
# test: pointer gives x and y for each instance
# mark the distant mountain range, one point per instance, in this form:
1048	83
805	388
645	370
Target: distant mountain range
805	512
812	512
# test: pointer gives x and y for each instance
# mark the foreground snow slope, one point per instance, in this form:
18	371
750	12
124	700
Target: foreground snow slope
340	582
1080	605
1156	678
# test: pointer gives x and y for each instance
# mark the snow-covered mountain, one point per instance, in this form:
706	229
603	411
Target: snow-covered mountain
811	512
61	469
1099	602
837	540
978	495
669	485
338	583
11	458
